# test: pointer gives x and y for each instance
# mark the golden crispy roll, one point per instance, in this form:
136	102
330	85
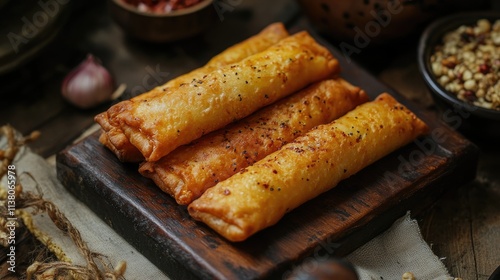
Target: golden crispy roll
189	170
113	137
165	122
261	194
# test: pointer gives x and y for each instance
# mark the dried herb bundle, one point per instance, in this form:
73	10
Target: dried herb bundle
97	267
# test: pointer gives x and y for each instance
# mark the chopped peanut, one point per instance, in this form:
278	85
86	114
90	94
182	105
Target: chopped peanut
467	63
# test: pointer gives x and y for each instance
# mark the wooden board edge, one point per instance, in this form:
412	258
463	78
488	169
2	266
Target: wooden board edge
176	267
67	176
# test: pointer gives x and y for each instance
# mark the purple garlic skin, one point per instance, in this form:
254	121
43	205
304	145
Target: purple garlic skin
88	85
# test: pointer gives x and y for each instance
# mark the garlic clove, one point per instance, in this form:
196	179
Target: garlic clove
88	85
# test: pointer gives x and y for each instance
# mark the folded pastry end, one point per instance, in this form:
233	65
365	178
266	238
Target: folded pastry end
232	232
168	181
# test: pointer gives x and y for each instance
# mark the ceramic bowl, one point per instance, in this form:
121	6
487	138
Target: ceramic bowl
474	120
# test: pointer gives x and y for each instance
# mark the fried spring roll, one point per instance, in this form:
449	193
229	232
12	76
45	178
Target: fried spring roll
189	170
113	137
260	195
161	124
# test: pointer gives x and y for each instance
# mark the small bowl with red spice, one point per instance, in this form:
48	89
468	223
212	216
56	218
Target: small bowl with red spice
459	58
162	21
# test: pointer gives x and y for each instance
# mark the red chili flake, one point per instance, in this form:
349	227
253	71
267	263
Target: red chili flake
484	68
275	172
470	96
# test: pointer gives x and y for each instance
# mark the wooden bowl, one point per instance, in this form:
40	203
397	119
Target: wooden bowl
377	21
161	28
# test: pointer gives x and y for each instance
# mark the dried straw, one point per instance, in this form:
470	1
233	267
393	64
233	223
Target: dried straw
35	202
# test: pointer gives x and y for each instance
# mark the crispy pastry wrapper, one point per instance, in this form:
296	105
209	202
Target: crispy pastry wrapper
260	195
112	135
161	124
189	170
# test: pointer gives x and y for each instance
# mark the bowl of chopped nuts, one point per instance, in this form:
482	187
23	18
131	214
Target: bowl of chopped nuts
459	58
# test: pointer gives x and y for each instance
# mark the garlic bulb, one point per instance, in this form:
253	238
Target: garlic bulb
88	85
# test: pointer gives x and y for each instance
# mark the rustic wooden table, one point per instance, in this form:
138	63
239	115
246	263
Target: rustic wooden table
463	227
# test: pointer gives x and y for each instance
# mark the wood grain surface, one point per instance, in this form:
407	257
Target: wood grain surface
343	218
464	224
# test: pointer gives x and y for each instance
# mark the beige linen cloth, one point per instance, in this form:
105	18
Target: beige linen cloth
398	250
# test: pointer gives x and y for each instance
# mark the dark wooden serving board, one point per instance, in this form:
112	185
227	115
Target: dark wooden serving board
334	223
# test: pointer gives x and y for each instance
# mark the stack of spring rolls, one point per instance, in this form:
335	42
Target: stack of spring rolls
260	129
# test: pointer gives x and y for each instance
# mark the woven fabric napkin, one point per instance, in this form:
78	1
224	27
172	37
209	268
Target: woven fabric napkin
398	250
